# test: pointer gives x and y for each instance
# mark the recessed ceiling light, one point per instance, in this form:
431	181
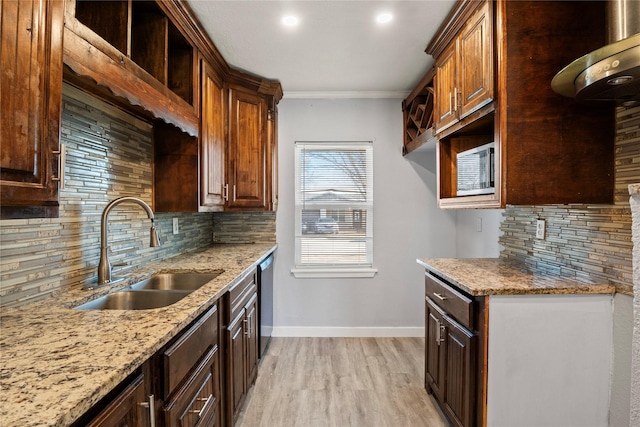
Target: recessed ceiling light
384	18
290	21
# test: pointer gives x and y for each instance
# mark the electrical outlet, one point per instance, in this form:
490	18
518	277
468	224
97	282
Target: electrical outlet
478	224
176	228
540	228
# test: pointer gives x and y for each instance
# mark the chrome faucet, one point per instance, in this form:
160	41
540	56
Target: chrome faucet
104	267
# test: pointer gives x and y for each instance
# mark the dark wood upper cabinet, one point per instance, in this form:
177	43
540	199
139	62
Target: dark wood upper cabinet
136	50
247	150
31	86
213	139
494	64
464	70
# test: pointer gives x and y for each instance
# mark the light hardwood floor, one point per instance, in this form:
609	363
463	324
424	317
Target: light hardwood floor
358	382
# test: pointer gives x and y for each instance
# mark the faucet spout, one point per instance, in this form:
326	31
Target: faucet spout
104	266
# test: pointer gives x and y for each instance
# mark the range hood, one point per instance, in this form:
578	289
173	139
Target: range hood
611	73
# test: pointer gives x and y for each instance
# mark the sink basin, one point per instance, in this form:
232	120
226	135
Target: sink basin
134	300
176	281
159	290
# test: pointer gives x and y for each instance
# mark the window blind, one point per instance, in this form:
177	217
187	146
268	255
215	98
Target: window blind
334	204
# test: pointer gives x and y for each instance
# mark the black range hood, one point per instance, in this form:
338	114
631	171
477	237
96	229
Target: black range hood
611	73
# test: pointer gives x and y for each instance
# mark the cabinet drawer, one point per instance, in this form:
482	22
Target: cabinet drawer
241	293
197	402
183	355
456	304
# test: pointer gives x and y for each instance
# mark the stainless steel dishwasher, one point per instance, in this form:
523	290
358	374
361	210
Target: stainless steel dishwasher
265	303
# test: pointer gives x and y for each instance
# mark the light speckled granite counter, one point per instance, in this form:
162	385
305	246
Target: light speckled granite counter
56	362
495	276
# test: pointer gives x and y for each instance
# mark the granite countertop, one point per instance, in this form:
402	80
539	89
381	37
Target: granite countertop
495	276
57	362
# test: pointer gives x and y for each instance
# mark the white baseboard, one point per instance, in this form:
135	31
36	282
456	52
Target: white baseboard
336	331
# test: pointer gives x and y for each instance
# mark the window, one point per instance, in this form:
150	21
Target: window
334	209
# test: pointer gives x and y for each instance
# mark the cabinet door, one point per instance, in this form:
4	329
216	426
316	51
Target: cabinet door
126	409
251	332
212	139
247	151
445	88
460	359
31	87
475	85
272	157
197	402
434	348
236	372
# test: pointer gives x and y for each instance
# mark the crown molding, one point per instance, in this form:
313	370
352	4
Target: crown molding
394	94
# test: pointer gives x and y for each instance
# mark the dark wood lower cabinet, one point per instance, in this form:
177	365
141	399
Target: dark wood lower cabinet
242	346
452	353
197	402
460	355
235	365
128	408
200	378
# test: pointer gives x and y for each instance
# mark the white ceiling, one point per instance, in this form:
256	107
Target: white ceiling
336	50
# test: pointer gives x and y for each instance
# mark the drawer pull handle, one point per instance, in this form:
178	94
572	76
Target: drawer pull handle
440	297
439	332
151	404
205	407
62	155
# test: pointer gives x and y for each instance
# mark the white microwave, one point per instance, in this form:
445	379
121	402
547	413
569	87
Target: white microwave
476	171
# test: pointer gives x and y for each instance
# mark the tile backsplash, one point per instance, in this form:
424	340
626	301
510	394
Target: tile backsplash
585	242
108	156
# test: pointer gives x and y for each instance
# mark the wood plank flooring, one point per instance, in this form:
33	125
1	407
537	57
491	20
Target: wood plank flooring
325	382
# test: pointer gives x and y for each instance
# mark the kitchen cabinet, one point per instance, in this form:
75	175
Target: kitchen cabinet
136	55
129	405
494	64
527	354
189	172
219	170
242	344
463	80
31	56
190	368
417	113
248	150
451	351
212	139
214	127
178	386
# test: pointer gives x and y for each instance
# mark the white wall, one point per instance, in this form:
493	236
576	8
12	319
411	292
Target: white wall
549	360
407	225
477	233
620	408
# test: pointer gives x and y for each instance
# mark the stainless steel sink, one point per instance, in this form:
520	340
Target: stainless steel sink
134	300
176	281
157	291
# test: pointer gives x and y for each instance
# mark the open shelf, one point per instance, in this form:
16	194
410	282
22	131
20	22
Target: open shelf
179	64
108	19
148	38
143	32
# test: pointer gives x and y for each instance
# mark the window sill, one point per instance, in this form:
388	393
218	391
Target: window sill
333	272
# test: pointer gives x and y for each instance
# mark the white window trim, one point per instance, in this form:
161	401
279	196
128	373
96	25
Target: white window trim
334	271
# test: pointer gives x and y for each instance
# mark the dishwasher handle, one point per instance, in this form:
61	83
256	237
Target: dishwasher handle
266	263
